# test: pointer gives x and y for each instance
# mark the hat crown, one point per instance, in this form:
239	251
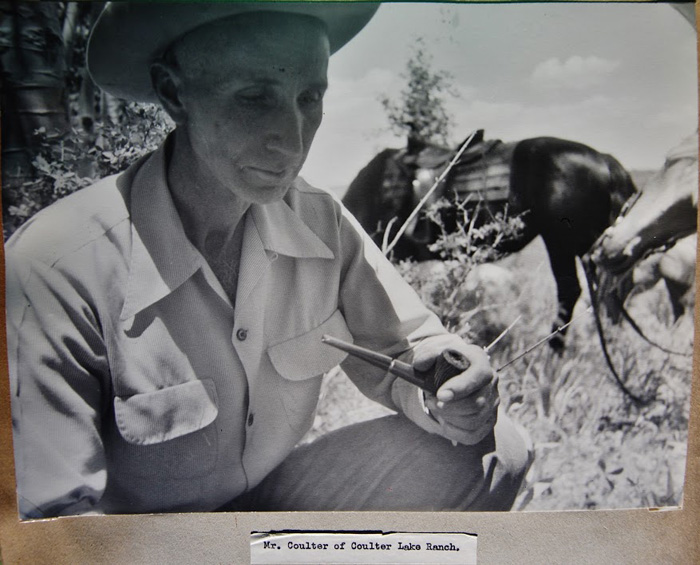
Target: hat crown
129	36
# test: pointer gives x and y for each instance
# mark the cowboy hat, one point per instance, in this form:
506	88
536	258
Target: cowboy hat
129	36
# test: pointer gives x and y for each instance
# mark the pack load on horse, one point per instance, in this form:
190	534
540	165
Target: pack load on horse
563	191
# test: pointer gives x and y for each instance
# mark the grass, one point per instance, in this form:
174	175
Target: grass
595	449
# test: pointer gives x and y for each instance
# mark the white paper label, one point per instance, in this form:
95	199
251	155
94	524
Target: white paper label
331	548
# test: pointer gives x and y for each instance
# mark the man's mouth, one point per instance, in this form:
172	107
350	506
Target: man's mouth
270	174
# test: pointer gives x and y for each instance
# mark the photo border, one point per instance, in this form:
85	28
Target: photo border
599	536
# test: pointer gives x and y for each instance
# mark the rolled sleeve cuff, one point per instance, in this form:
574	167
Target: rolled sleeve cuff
407	398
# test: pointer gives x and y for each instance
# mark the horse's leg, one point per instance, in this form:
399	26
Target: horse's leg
563	263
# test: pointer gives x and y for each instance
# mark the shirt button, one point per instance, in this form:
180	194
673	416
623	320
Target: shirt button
242	334
251	419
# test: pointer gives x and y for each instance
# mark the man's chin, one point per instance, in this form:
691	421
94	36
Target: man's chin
268	194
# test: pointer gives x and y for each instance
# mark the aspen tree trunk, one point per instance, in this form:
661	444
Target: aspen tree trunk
32	85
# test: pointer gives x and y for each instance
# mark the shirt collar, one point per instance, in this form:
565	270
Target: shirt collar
282	231
162	257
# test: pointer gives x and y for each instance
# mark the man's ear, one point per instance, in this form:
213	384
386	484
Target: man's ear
167	84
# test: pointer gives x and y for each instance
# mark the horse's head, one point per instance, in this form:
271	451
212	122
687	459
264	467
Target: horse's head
665	211
654	219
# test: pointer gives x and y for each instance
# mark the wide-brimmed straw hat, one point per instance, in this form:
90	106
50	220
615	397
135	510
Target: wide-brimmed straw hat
129	36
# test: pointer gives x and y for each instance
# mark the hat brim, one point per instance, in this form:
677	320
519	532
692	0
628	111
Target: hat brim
129	36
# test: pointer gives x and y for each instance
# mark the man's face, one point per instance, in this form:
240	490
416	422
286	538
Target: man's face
252	91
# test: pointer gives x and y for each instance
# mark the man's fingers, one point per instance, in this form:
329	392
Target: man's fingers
467	383
472	407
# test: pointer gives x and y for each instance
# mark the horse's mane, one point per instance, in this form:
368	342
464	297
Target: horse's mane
688	148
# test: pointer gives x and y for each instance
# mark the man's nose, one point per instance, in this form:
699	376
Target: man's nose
286	131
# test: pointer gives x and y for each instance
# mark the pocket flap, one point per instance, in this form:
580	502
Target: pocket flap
305	356
154	417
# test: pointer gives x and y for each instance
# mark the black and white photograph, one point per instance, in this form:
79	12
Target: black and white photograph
348	256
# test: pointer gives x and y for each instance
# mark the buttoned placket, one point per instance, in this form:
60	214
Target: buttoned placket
251	294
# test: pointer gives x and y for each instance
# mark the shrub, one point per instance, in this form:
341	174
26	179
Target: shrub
78	159
451	287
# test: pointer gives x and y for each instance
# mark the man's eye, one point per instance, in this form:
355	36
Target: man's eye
311	97
261	99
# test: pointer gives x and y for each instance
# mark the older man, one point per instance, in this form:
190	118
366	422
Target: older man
165	324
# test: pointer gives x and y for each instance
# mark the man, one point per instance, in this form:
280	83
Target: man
165	324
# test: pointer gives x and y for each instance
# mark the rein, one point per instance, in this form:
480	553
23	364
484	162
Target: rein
592	281
635	326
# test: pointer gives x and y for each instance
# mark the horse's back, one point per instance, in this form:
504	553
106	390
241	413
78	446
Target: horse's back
572	190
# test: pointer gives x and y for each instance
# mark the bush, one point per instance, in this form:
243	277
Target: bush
450	287
64	165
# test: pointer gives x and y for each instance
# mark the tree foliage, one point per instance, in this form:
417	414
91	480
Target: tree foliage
62	134
76	160
420	111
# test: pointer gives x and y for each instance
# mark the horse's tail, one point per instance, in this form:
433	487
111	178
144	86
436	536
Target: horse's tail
622	186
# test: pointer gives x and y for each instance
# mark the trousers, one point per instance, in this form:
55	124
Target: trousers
390	464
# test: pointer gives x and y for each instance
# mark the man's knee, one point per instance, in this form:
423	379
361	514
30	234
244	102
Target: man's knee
392	464
504	468
514	447
482	477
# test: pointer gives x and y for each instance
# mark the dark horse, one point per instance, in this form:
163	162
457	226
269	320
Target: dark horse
564	191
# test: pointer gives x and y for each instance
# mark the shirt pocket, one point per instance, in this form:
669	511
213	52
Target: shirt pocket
301	363
168	432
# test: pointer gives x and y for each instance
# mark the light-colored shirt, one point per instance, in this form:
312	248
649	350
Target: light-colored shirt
136	385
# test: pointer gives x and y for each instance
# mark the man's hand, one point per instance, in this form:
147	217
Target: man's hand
466	405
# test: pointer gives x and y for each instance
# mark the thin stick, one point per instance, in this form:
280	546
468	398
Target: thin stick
544	339
502	334
386	250
385	238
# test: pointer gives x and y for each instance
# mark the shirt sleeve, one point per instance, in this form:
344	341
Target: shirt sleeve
58	371
384	314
